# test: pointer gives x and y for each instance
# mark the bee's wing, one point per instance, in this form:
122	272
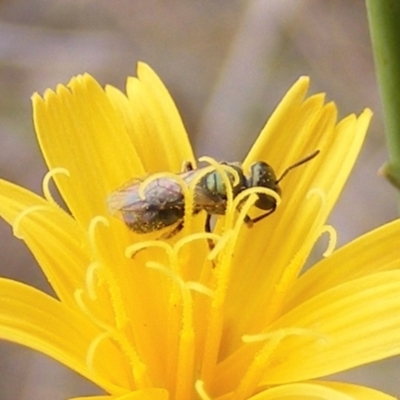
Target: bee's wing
205	198
161	205
159	194
126	198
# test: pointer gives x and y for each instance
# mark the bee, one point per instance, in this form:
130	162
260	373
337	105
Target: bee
161	203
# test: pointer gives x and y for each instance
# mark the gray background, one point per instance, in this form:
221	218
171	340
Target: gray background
226	63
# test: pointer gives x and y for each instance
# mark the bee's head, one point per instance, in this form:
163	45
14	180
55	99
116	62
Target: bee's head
263	175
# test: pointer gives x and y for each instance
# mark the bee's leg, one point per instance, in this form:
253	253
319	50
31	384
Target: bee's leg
207	228
173	232
248	221
187	166
251	221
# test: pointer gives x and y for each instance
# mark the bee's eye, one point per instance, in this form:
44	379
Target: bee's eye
262	175
265	202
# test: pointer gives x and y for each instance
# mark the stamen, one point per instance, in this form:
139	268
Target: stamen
22	215
259	364
90	279
78	296
187	187
161	175
139	369
190	285
211	238
216	314
165	271
196	236
119	330
218	167
256	190
94	223
244	209
190	193
199	386
186	193
223	171
190	196
185	358
262	337
319	220
46	182
332	239
120	314
221	244
91	351
263	358
245	200
133	249
199	288
284	285
319	193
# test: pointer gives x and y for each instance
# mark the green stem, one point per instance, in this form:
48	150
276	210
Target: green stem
384	24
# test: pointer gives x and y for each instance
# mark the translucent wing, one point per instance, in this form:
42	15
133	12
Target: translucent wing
161	206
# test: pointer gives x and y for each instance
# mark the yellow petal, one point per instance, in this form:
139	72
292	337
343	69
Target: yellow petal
53	237
135	126
140	322
36	320
321	391
269	257
357	392
354	324
153	122
274	134
166	129
143	394
95	398
375	251
301	391
349	325
78	129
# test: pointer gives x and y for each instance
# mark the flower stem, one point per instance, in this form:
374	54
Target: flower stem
384	24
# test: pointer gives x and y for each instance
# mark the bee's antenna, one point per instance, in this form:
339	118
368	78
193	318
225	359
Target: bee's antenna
295	165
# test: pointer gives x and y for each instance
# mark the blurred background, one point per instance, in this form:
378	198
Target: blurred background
227	64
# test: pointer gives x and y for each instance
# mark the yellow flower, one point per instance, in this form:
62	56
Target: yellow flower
150	318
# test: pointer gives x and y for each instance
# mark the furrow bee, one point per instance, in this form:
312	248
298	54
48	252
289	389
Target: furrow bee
161	203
